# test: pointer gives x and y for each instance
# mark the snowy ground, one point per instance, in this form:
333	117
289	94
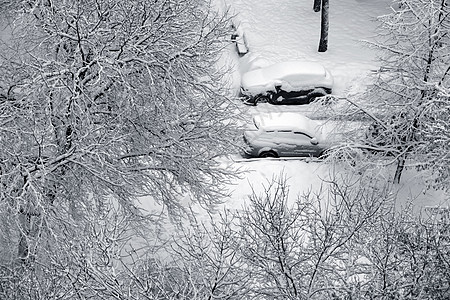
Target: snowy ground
283	30
289	29
278	31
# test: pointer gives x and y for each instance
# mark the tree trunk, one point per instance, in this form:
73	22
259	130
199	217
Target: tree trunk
323	44
400	167
25	222
316	6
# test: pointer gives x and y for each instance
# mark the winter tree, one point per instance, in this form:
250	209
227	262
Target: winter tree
407	106
101	103
300	249
348	240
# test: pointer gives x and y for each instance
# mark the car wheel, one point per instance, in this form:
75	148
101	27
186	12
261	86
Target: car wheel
263	98
268	154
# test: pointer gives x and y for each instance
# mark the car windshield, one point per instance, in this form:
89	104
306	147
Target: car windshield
302	133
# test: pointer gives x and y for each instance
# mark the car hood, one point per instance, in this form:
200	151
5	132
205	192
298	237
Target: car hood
256	82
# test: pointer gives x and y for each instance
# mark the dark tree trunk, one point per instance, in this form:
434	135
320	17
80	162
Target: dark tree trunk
23	240
316	6
400	167
323	44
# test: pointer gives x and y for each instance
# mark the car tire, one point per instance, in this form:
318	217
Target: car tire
266	154
263	98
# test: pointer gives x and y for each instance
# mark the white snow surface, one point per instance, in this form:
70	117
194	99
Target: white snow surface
277	31
286	30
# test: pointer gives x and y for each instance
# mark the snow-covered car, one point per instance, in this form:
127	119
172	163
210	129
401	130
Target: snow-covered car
284	134
289	82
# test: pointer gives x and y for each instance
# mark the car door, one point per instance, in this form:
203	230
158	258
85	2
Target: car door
304	145
286	145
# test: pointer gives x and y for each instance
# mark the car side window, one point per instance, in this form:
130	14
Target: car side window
302	139
302	134
286	137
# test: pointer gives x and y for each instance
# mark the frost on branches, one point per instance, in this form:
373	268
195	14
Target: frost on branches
103	102
408	104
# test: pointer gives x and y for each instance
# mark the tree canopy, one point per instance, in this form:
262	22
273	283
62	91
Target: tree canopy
408	103
103	100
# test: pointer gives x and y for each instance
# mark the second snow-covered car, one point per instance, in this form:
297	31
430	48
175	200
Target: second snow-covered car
289	82
284	134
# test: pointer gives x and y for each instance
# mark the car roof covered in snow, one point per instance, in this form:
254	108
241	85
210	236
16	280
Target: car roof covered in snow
287	68
298	74
287	121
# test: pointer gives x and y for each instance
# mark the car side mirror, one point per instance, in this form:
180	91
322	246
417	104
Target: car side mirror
314	141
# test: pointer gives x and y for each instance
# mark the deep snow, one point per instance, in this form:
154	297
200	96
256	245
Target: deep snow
287	30
278	31
259	81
